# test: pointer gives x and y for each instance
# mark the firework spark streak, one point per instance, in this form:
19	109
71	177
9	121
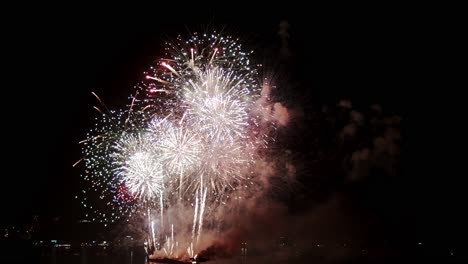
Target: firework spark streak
202	210
195	213
153	233
186	139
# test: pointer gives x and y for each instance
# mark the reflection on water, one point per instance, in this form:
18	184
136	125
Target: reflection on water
86	255
23	251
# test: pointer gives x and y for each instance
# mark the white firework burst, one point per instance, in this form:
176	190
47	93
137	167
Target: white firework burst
180	150
217	104
139	166
143	175
224	165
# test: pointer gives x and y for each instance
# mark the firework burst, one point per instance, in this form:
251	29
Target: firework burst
179	147
138	167
188	60
210	80
217	104
102	160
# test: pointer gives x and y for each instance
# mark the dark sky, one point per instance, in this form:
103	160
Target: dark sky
55	60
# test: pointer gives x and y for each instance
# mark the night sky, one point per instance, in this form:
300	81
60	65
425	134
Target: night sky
54	60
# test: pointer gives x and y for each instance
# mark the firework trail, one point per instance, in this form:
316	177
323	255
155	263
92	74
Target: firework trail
153	240
195	214
202	210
